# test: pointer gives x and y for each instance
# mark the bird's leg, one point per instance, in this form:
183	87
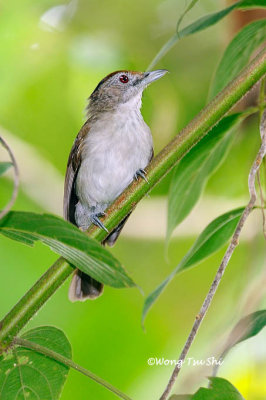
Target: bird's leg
95	218
142	173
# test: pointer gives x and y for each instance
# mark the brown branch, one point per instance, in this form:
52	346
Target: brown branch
226	258
262	106
16	179
262	203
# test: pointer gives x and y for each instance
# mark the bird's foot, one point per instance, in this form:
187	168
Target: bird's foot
142	173
96	220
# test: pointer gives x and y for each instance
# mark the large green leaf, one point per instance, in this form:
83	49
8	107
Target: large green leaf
192	172
27	375
220	389
4	166
203	23
238	53
67	240
213	237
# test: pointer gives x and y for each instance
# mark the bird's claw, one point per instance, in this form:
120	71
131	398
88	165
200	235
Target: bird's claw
96	221
142	173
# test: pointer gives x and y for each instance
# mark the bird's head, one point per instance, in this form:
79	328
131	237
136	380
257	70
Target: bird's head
120	87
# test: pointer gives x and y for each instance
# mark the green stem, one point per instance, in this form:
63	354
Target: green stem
32	301
158	168
69	363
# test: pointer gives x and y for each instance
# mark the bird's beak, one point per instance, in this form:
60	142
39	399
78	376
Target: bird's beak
152	76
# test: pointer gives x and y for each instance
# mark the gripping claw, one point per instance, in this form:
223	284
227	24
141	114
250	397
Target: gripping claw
142	173
96	221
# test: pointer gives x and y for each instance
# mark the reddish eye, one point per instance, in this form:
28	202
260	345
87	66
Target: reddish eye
123	78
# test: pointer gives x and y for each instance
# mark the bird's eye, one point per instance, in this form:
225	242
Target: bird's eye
123	78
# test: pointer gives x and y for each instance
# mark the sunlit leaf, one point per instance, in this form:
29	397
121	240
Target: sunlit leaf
203	23
238	53
4	166
220	389
192	172
67	240
26	374
212	238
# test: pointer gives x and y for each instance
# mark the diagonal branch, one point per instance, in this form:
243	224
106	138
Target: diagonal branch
234	242
159	167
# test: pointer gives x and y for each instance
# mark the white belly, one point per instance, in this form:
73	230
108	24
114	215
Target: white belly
114	150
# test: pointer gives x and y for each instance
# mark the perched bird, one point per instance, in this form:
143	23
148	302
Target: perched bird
112	148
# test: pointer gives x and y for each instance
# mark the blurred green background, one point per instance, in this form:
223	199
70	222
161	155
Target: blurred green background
52	55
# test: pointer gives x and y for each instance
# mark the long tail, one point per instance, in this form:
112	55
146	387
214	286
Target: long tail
83	286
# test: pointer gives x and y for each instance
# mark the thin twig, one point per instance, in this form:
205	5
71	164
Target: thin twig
262	202
16	179
262	106
69	363
226	258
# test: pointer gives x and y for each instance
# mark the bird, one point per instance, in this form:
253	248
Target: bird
112	148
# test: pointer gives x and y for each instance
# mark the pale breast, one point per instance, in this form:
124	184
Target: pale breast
115	149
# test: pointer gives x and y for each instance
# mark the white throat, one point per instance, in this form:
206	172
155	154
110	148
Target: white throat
134	104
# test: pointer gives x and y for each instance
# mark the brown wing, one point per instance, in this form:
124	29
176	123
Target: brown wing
74	160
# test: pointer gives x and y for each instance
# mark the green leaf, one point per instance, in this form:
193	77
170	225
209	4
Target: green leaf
207	21
26	374
4	166
192	172
246	328
181	397
213	237
211	19
187	9
203	23
220	389
67	240
238	53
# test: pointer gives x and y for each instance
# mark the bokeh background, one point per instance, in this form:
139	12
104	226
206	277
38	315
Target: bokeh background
52	55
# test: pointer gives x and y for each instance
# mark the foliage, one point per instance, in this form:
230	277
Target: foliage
192	172
26	374
247	327
204	23
67	240
238	53
213	237
219	389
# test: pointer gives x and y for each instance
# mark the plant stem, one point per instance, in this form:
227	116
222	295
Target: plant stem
158	168
69	363
32	301
234	242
